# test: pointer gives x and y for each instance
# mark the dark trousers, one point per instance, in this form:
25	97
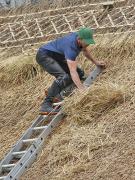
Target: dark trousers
56	65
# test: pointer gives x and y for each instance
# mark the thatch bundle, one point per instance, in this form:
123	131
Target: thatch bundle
17	70
92	103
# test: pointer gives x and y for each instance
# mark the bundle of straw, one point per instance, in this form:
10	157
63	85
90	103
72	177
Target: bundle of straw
96	100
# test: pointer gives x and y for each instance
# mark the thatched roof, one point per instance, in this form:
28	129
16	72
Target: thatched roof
96	139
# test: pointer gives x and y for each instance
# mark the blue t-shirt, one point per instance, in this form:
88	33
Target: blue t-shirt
66	46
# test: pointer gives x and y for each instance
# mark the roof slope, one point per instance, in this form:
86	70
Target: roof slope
96	140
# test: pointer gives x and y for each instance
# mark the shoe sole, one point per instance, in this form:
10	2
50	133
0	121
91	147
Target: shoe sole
48	113
55	99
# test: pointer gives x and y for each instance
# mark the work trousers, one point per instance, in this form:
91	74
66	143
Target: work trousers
56	65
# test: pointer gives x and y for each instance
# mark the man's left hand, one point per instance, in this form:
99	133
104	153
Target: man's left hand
101	64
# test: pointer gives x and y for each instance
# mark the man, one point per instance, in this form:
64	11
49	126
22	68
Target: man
58	58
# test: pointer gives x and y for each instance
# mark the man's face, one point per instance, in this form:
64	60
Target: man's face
83	44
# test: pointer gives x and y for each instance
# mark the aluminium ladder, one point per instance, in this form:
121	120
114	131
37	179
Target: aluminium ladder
25	151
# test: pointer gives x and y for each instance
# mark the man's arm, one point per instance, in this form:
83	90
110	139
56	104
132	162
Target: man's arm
74	74
89	56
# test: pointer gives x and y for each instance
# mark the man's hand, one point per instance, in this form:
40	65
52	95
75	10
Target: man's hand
89	56
83	88
101	64
74	74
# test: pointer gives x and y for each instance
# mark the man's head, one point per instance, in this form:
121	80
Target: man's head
85	37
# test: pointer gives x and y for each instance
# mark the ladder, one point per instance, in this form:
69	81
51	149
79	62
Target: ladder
25	151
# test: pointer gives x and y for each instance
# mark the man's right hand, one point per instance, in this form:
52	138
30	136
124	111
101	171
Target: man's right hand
74	74
82	88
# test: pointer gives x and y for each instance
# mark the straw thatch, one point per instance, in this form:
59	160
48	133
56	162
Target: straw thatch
16	70
44	5
96	139
94	102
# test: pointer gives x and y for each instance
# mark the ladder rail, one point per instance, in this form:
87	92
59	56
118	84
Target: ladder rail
18	145
32	153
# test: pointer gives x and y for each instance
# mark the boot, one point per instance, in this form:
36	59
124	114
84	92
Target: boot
56	99
46	109
47	105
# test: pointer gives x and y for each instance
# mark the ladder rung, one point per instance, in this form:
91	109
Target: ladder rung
2	177
108	3
29	140
8	165
58	103
40	127
19	152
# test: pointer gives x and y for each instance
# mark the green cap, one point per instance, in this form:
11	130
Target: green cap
86	34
